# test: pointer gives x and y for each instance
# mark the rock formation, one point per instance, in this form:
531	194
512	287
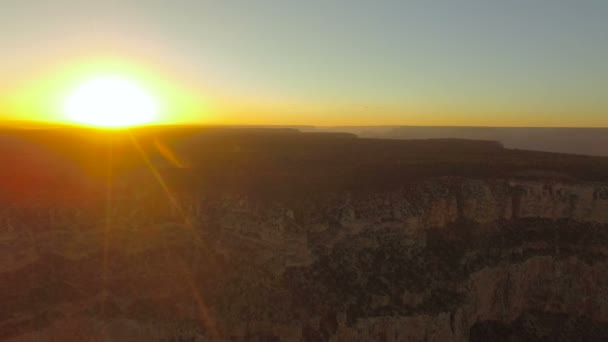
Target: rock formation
270	242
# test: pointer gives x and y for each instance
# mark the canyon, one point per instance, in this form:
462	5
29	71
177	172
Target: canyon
190	234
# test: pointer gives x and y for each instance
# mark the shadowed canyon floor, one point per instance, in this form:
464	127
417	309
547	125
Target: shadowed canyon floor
209	234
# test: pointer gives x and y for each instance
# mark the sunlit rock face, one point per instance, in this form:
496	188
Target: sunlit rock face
441	258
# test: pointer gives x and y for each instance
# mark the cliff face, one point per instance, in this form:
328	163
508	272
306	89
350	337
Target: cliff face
437	259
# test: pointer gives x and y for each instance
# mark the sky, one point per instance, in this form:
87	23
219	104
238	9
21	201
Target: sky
350	62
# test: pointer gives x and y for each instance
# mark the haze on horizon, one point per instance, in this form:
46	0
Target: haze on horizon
464	63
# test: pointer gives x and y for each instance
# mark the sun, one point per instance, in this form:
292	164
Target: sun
110	102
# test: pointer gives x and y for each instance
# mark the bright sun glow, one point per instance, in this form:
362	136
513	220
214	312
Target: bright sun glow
110	102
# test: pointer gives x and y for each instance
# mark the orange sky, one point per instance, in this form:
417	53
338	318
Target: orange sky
478	63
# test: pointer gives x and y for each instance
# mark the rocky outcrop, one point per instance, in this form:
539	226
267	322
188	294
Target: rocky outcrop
439	259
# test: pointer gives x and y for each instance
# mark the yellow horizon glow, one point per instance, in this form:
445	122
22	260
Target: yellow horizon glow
110	102
40	96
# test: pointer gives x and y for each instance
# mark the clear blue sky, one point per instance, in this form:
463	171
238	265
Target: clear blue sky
464	62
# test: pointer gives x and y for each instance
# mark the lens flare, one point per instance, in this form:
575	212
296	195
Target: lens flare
110	102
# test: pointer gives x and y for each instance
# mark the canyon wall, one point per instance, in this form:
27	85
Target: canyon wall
441	259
